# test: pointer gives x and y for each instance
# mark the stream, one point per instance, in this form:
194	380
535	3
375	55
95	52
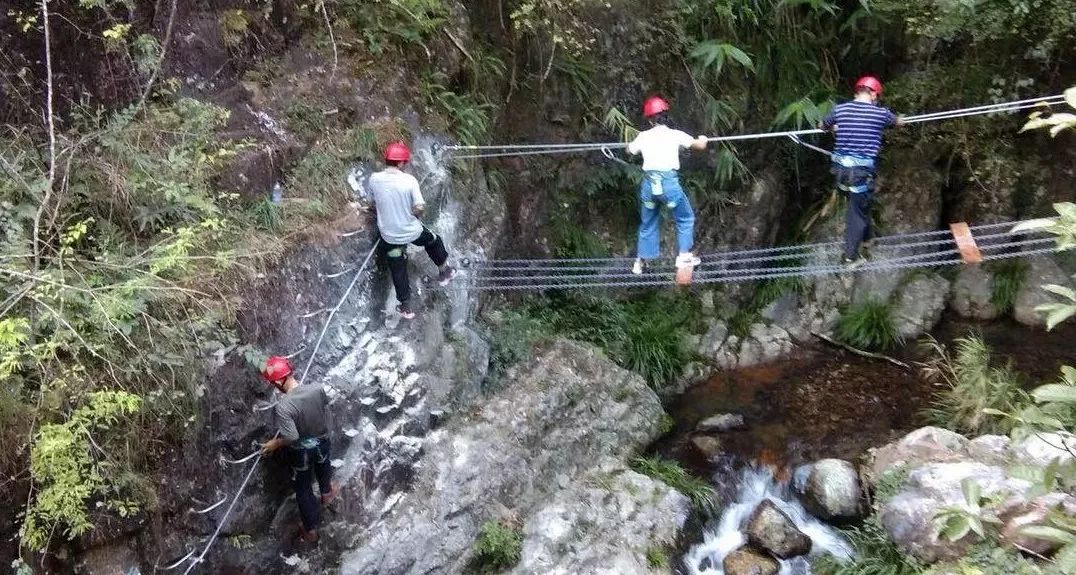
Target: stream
824	402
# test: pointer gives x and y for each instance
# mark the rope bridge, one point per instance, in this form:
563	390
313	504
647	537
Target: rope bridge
889	253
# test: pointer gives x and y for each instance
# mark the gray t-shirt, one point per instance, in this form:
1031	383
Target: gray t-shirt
394	194
303	413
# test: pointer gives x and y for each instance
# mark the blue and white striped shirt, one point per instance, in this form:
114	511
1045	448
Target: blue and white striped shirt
859	128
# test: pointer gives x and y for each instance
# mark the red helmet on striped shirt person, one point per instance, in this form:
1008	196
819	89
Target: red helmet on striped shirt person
870	83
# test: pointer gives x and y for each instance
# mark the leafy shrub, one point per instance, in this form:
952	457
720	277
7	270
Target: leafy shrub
972	385
386	25
988	559
657	557
868	325
498	547
468	114
512	337
671	473
1008	278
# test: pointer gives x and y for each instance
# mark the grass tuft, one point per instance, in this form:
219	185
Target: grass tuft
868	325
674	475
1008	278
972	384
497	547
876	554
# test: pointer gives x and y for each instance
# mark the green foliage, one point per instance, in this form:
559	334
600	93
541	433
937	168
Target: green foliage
713	55
766	292
671	473
132	286
387	25
555	25
889	485
645	335
267	216
657	557
513	336
304	118
876	554
233	26
68	472
1008	278
1057	123
971	386
868	325
955	522
1064	227
619	123
468	114
988	559
498	547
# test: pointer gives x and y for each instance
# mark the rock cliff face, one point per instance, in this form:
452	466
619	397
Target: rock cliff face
569	418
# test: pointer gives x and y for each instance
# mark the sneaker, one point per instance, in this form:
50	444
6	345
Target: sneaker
405	310
852	263
308	536
446	275
327	498
687	260
638	267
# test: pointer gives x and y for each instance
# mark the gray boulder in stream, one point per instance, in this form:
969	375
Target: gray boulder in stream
747	561
770	529
563	415
832	491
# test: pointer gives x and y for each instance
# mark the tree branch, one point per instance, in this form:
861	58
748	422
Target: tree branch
160	62
847	347
51	122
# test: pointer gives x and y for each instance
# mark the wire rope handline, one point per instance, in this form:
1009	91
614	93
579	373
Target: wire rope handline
504	150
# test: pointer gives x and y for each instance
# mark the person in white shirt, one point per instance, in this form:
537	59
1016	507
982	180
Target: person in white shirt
398	203
660	147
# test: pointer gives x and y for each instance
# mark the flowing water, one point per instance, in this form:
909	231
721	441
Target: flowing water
754	485
821	403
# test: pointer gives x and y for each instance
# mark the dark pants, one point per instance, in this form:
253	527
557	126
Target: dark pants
397	257
858	223
307	464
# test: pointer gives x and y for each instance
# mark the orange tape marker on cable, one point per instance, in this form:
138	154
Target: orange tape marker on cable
969	251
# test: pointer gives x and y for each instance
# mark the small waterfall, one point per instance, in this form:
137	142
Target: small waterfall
756	484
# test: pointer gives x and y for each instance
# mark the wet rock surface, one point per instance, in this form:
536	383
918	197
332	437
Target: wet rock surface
746	561
832	491
771	529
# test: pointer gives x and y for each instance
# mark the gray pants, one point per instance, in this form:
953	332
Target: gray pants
857	224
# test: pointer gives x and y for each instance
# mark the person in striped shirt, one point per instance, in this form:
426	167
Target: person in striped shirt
858	126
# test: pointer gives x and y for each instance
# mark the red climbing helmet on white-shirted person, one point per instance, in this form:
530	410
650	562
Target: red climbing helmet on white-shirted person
397	152
869	83
653	106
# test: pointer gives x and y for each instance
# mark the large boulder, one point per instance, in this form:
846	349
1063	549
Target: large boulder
567	411
909	517
924	445
761	344
973	293
1042	271
747	561
604	523
832	491
1035	512
771	529
918	307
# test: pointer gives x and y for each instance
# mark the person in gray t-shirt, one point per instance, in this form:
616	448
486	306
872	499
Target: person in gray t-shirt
398	202
302	421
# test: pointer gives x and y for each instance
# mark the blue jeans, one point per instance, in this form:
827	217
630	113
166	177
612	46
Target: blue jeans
671	196
306	464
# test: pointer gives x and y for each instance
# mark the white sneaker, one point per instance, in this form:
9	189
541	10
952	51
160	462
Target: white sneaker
637	268
687	260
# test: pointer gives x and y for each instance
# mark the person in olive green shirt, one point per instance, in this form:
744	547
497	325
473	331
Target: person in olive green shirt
302	421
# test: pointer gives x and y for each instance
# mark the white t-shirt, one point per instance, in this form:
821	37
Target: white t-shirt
394	194
660	147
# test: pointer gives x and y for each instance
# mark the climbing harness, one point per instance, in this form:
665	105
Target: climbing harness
505	150
900	251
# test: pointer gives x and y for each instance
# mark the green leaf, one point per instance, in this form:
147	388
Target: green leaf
1032	225
1055	313
1047	533
972	491
1055	393
1062	291
956	528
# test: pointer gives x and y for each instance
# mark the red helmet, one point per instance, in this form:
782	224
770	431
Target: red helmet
871	83
653	106
276	369
397	152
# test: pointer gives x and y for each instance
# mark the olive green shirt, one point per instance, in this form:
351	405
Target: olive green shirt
303	413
